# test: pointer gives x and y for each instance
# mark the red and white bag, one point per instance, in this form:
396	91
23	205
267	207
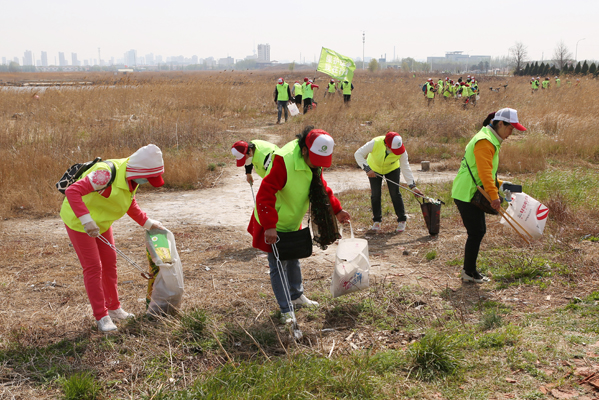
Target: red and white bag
530	214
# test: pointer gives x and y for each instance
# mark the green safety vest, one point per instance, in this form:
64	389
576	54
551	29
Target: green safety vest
332	88
429	90
463	186
307	90
440	84
104	211
282	92
558	82
298	89
466	91
346	86
292	201
381	161
545	84
447	89
262	150
535	84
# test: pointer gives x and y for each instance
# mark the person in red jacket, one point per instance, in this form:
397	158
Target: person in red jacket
282	202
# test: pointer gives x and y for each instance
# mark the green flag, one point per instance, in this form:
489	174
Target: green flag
335	65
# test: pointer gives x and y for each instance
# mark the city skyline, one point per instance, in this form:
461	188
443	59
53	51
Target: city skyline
297	32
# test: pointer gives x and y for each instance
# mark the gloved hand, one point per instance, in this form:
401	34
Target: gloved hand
92	229
502	187
153	224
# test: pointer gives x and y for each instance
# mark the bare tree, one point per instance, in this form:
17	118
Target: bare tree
518	55
561	55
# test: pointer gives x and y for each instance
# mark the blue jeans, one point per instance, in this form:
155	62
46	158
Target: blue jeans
292	269
280	106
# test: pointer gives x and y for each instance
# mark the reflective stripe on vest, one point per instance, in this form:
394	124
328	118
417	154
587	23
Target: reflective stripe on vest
262	150
379	160
292	201
282	94
104	211
463	187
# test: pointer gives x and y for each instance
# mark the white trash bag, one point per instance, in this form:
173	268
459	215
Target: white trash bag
165	289
530	214
293	110
352	266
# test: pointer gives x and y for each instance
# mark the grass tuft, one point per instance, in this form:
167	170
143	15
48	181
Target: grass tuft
434	356
80	386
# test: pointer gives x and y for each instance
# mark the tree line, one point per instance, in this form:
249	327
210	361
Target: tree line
561	63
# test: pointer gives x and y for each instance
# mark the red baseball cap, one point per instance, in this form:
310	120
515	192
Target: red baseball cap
281	81
156	181
394	142
321	145
306	79
240	150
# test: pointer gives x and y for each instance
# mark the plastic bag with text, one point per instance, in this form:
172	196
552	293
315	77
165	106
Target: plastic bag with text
165	289
529	212
352	267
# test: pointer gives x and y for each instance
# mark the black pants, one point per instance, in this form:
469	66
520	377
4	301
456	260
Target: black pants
474	221
346	98
307	105
376	184
298	100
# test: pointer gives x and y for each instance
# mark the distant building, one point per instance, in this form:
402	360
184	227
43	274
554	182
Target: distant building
131	58
264	52
28	58
456	61
158	59
150	59
74	61
3	60
194	59
44	59
61	60
226	62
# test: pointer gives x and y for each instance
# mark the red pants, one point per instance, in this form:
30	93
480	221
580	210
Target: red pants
99	270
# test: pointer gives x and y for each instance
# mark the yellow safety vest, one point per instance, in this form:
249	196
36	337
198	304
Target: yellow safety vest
381	161
282	92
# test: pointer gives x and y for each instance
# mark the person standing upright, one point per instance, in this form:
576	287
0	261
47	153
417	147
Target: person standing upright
282	94
429	91
558	82
347	88
297	92
331	89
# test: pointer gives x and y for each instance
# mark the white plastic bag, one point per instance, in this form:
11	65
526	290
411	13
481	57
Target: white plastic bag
530	214
293	110
352	266
165	290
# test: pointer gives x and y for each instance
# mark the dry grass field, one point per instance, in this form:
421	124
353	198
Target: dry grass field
417	333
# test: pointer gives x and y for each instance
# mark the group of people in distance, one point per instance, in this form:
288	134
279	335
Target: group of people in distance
284	93
535	83
467	90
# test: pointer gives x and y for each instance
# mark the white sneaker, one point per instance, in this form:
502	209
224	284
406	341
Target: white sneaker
376	227
478	278
401	226
287	317
105	324
119	314
304	301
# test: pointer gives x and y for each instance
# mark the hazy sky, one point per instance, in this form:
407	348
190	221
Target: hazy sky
233	28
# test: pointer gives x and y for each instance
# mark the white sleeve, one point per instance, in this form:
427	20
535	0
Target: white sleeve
362	153
405	168
100	178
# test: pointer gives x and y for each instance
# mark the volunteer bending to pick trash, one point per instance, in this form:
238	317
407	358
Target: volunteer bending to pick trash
282	202
480	163
255	154
382	157
91	205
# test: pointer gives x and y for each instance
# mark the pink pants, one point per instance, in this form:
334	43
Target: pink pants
99	270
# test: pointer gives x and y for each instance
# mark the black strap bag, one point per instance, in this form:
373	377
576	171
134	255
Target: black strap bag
294	245
431	212
75	171
479	200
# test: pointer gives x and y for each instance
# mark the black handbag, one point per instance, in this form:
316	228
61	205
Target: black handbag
294	245
479	200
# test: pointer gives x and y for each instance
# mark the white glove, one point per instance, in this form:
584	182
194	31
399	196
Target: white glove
92	229
153	224
502	188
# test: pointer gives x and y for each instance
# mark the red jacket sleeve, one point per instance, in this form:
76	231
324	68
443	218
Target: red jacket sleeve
74	194
266	199
136	213
335	203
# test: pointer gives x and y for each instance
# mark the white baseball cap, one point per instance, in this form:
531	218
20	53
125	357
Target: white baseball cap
510	116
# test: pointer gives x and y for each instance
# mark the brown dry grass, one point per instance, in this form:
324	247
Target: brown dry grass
194	117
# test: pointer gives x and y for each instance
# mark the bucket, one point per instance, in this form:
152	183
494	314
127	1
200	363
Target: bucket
352	266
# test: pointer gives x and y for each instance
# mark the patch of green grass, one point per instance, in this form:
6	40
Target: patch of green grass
80	386
456	262
194	322
576	188
434	356
431	255
490	319
520	269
